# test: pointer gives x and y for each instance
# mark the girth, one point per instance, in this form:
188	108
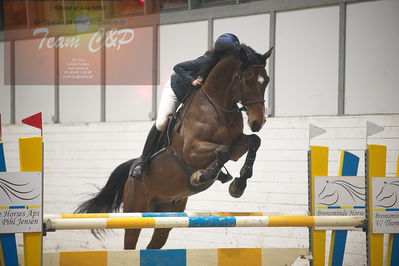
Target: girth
187	169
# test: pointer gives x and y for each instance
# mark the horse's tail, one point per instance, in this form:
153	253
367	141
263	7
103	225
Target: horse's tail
110	197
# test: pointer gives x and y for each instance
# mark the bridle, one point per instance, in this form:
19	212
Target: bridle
240	99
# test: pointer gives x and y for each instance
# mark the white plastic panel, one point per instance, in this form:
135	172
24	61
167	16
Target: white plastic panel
5	101
257	37
178	43
372	57
33	99
128	103
80	103
80	82
129	71
307	62
34	79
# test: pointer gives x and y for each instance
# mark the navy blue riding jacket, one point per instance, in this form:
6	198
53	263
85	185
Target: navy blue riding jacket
185	73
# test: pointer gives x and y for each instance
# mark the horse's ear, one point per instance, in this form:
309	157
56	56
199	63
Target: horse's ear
267	54
243	55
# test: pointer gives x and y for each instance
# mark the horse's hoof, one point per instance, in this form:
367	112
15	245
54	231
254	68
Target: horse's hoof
237	188
195	179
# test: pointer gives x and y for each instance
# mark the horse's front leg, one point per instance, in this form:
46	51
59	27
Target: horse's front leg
202	151
246	143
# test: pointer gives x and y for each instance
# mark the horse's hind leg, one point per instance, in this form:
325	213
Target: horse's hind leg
250	143
160	235
133	201
131	238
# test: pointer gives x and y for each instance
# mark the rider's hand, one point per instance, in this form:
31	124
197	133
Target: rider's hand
197	82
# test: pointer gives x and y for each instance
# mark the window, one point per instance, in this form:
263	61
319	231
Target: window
15	15
1	16
173	4
44	13
217	2
124	8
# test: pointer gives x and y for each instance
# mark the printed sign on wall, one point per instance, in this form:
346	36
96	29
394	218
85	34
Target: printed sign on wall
20	202
81	42
336	196
385	199
339	196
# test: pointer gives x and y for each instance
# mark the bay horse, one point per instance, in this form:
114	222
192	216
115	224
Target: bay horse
207	134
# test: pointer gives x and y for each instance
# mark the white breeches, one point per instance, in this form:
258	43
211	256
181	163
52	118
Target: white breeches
167	107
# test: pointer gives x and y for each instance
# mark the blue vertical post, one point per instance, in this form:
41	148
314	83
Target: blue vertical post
349	164
8	245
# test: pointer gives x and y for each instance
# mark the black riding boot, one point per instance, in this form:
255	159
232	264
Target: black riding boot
149	147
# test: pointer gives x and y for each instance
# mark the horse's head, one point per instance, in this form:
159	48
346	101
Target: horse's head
247	85
253	79
387	196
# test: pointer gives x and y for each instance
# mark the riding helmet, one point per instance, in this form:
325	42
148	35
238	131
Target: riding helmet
227	38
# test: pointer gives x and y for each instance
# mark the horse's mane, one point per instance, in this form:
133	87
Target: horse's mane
224	49
214	56
254	58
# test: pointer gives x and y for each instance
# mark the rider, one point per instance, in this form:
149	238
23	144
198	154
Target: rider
186	78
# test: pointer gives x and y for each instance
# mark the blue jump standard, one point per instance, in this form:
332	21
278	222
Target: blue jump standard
8	243
350	166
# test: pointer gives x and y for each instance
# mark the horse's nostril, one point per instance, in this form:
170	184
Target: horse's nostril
255	127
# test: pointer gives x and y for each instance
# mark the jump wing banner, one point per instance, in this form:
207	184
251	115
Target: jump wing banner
20	202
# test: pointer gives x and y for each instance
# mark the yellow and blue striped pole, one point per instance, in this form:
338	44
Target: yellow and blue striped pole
375	167
31	160
348	166
208	221
318	166
166	214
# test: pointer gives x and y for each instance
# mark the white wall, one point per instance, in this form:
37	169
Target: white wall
80	103
178	43
306	79
32	99
128	102
34	79
257	37
80	156
80	98
372	57
5	103
129	72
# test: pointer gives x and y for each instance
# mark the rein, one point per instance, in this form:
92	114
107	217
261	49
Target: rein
219	106
244	103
